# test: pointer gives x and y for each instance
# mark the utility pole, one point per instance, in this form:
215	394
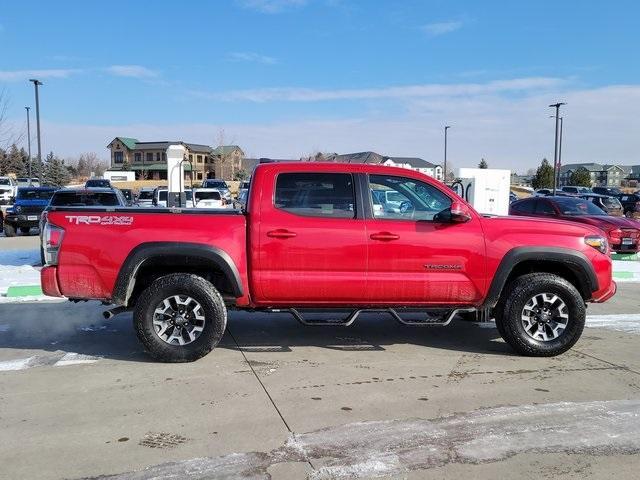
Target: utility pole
555	150
35	84
29	141
447	127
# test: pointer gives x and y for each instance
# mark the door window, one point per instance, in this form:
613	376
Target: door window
544	208
402	198
523	206
328	195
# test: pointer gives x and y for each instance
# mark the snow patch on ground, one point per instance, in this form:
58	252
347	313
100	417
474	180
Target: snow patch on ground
17	364
71	358
22	275
395	447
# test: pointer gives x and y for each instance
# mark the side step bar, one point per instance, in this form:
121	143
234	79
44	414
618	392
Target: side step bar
443	321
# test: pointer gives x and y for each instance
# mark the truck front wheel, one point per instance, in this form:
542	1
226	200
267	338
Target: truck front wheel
542	315
9	230
180	318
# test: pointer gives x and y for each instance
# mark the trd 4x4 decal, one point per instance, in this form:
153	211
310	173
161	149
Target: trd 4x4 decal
98	220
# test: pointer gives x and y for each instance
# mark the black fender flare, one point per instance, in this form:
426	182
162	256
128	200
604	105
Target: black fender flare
575	260
126	280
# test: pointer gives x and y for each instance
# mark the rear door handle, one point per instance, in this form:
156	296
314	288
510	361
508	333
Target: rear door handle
384	236
281	233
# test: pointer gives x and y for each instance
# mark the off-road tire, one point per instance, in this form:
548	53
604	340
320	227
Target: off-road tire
25	230
522	289
9	230
203	292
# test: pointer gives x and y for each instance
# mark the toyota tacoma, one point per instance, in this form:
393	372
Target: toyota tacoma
321	237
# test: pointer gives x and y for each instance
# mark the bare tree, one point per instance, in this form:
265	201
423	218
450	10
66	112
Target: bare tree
8	135
224	157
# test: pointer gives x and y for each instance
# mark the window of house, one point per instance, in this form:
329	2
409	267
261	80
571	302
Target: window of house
158	156
191	157
149	157
328	195
199	159
164	156
118	157
404	198
199	175
137	157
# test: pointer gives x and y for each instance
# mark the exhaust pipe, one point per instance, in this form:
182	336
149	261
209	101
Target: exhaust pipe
108	314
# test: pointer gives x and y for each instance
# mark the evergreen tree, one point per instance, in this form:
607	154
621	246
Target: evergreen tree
483	164
56	173
581	177
544	176
14	162
3	162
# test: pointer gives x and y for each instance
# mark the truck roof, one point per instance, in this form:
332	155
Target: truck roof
335	167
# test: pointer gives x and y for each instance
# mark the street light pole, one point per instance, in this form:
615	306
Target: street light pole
447	127
555	150
560	145
35	84
29	141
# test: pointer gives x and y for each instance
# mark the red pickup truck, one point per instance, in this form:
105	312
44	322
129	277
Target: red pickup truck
327	236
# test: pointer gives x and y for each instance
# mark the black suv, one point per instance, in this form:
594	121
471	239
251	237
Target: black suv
611	191
97	183
631	204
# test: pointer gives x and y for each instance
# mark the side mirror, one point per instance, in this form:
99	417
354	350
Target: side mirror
460	213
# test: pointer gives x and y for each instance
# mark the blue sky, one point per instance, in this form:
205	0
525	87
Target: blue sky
287	77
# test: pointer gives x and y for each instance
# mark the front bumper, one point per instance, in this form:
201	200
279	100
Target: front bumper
23	220
607	294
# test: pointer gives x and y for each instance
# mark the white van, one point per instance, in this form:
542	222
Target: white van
208	198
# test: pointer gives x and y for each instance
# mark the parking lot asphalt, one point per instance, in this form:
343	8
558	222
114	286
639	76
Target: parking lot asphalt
79	398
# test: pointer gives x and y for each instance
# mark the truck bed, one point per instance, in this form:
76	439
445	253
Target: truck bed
90	269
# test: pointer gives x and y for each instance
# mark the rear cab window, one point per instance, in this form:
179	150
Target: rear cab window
328	195
85	199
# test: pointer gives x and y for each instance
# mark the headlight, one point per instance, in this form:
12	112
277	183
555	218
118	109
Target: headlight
597	242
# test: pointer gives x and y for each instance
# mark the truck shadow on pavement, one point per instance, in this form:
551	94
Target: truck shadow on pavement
80	328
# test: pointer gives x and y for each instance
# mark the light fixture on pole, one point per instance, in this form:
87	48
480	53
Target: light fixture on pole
29	141
555	150
36	83
447	127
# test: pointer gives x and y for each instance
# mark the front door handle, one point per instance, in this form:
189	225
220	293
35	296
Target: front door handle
281	233
384	236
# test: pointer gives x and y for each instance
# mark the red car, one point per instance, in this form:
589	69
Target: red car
623	234
320	236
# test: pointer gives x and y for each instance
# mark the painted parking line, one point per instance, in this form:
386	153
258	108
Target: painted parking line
624	322
57	359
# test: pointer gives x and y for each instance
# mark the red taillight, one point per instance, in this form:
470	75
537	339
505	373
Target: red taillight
617	233
51	242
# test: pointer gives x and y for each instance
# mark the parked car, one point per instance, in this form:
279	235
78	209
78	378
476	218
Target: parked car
7	190
310	239
542	192
512	197
611	191
631	204
25	213
623	234
161	195
97	183
219	185
145	197
27	182
611	205
575	190
244	186
241	201
208	198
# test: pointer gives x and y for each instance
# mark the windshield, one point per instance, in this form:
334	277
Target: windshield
215	184
98	183
27	194
576	207
84	199
5	181
611	202
145	195
207	196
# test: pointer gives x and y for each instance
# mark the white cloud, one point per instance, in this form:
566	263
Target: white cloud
286	94
133	71
18	75
251	57
440	28
271	6
601	125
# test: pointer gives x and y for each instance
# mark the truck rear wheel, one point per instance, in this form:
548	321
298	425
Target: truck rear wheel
180	318
542	315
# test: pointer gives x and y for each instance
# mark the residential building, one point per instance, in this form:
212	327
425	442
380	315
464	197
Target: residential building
602	175
228	161
411	163
149	159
